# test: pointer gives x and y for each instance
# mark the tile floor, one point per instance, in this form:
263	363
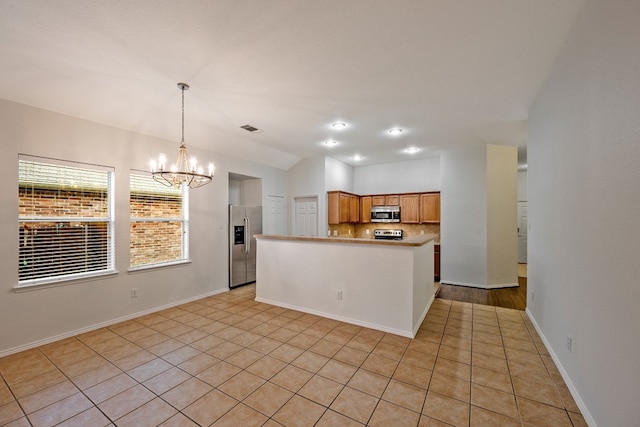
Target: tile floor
229	361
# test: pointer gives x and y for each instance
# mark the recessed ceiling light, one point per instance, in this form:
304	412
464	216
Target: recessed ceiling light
339	125
357	157
395	131
412	150
330	142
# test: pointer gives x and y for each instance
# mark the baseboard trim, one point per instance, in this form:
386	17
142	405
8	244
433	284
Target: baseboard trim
423	315
476	285
565	376
338	318
104	324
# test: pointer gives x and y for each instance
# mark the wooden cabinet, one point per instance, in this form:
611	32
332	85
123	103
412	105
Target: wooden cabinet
354	208
342	208
429	208
392	200
377	200
410	208
385	200
365	209
436	262
415	208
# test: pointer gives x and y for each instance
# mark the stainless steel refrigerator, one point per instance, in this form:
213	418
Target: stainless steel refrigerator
244	223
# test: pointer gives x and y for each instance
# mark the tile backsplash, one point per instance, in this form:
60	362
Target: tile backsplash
360	230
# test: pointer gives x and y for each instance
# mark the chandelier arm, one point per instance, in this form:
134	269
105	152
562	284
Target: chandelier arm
184	171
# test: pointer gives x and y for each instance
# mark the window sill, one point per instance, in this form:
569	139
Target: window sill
54	283
142	268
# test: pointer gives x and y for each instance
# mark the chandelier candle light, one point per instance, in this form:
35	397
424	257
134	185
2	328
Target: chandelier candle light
185	170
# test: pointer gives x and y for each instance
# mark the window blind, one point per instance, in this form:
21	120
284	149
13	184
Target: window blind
158	230
65	221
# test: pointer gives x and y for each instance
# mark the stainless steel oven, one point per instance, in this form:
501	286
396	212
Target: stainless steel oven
385	214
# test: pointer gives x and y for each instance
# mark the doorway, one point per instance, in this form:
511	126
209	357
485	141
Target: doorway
305	216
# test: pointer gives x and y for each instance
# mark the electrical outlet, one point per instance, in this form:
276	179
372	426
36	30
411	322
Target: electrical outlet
335	232
367	231
339	295
134	292
421	231
569	344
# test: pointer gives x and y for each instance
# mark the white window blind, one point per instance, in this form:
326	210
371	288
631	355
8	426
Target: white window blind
159	222
65	220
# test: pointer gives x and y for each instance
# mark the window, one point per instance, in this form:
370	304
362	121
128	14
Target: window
65	220
159	222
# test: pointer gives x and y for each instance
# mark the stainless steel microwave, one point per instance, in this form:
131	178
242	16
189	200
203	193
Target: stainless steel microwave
385	214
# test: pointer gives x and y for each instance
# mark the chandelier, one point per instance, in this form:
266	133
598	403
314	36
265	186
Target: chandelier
185	170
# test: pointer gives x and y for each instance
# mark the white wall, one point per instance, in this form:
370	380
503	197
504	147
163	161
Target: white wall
463	213
307	178
584	199
478	209
27	317
398	177
338	175
522	185
359	270
245	192
502	215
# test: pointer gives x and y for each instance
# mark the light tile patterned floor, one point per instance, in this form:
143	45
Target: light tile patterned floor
230	361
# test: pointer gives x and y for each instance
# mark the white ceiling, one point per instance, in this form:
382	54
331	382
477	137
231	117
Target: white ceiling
450	72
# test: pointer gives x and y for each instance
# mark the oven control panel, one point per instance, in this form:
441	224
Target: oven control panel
387	234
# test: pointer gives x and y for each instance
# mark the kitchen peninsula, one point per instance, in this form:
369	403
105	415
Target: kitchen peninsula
380	284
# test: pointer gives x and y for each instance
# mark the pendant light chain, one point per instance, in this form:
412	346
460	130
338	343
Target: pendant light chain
183	87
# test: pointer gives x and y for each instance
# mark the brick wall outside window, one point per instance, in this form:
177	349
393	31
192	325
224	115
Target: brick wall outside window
156	241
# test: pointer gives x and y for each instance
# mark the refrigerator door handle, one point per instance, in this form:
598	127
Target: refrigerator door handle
247	235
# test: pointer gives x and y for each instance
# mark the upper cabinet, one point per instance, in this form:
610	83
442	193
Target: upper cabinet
365	209
342	207
391	200
415	208
429	208
377	200
354	208
410	208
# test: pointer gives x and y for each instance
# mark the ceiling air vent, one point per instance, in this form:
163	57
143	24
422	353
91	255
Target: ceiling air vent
251	129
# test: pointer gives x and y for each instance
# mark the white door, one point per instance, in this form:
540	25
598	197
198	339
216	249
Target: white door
523	225
276	216
306	216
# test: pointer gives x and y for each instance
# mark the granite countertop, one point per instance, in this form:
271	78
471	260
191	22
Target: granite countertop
407	241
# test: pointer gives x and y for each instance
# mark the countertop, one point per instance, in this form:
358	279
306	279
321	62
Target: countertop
407	241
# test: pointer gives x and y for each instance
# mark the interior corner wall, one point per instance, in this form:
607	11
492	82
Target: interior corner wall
502	215
51	312
584	181
463	209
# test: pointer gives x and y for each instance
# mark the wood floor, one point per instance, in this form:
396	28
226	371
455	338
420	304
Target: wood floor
508	297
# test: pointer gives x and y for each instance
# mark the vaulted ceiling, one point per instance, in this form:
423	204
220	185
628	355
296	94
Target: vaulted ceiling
450	73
